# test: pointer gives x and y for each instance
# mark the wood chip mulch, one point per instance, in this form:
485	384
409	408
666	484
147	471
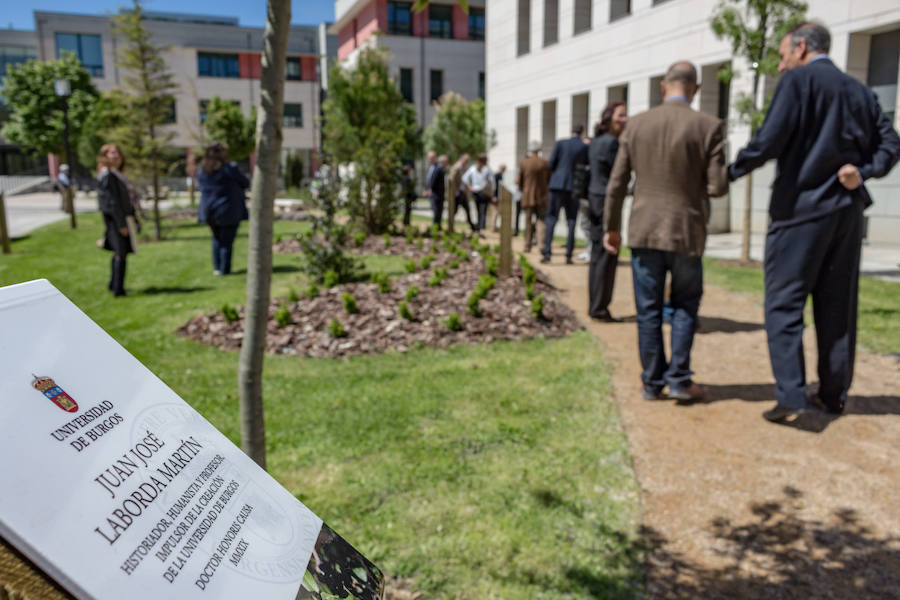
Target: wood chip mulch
398	246
377	327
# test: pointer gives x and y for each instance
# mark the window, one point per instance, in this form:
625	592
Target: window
481	84
551	22
619	9
524	34
582	16
437	84
617	93
217	65
86	47
293	115
656	97
548	126
476	23
881	76
169	115
14	55
292	70
521	131
580	110
440	21
406	84
399	18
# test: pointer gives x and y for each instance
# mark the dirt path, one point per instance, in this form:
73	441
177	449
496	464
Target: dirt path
735	507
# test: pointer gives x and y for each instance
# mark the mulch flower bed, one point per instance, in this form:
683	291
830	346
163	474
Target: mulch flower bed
377	325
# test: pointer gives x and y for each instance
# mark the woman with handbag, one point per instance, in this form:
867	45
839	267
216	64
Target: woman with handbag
222	203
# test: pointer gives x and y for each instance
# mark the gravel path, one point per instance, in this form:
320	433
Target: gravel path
735	507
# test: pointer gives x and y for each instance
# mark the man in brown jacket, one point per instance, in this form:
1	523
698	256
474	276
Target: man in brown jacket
532	179
677	155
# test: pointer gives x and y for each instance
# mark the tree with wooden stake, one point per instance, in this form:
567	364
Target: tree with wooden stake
148	85
262	214
754	28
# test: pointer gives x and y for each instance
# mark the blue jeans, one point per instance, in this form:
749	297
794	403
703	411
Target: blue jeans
649	268
223	240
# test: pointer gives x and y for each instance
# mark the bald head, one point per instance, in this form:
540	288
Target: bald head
680	80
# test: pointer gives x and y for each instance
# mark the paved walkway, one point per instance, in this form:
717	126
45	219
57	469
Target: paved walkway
736	507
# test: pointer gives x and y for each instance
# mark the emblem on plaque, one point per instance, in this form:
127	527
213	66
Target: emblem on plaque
48	387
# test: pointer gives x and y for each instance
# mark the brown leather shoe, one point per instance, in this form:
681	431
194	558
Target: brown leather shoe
690	393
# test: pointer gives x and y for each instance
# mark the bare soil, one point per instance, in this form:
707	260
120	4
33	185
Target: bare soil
734	506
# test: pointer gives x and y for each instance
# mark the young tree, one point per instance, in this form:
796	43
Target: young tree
754	28
226	123
262	214
459	128
107	115
148	84
369	127
36	120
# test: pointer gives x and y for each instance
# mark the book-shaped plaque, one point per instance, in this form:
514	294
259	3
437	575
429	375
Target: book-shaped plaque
115	487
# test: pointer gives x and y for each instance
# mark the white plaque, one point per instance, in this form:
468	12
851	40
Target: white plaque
116	488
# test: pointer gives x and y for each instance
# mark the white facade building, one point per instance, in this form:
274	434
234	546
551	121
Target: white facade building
552	64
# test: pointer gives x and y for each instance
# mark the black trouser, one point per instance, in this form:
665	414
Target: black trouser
518	215
561	199
437	208
462	200
819	257
602	270
120	246
407	208
481	204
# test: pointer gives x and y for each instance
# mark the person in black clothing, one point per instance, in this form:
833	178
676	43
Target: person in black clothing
408	184
828	134
223	203
601	156
116	198
434	185
567	154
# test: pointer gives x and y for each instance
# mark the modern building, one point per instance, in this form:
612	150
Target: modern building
437	50
208	56
555	63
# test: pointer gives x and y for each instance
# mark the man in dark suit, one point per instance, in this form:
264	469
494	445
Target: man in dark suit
566	155
828	134
434	184
677	155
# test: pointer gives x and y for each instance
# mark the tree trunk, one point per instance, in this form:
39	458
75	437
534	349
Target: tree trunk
259	258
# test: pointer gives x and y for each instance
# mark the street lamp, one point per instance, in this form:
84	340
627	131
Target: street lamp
63	90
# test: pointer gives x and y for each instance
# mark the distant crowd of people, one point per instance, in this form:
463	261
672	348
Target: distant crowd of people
828	135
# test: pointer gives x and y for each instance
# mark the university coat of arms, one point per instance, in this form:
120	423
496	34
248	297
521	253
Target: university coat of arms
48	387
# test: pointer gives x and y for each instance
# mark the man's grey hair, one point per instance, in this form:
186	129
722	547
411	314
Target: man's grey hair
682	72
816	36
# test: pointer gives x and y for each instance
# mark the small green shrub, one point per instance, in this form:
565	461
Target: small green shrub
336	329
387	240
283	315
491	264
230	313
453	322
472	305
537	306
427	260
331	278
454	263
485	284
277	238
529	291
349	303
411	266
462	254
419	244
383	282
359	239
293	296
403	310
439	275
409	237
412	292
312	290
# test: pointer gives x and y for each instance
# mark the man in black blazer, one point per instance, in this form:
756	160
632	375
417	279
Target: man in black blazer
566	155
828	135
434	184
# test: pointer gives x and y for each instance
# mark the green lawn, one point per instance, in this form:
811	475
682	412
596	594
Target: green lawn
496	471
879	303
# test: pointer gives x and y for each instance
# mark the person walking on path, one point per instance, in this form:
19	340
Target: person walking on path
678	158
461	198
478	180
223	203
434	187
116	198
602	156
566	155
495	198
532	180
828	134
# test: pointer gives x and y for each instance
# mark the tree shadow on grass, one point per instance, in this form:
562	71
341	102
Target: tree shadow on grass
275	269
154	290
780	553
